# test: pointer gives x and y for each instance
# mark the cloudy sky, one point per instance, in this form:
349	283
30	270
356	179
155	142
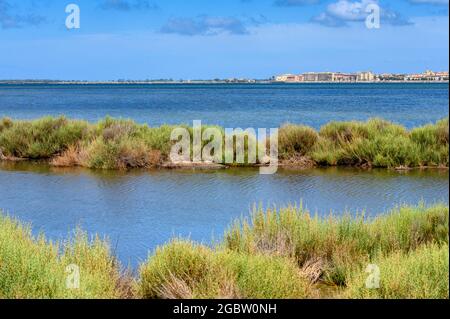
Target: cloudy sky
140	39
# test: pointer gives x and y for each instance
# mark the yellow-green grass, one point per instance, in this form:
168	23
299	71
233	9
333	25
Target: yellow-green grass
336	245
379	143
34	268
284	253
120	144
182	269
423	273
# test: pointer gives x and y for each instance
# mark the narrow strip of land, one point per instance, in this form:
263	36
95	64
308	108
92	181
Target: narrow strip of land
123	144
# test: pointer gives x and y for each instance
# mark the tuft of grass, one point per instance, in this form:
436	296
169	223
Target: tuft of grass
296	140
182	269
178	263
266	277
375	143
420	274
380	143
339	243
34	268
432	142
5	123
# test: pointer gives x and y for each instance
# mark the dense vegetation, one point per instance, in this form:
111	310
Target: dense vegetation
122	144
285	253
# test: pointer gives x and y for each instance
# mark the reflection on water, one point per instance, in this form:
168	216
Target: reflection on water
138	210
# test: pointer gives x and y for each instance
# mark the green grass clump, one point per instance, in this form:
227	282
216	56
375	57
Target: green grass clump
265	277
32	267
40	139
182	269
5	123
337	243
375	143
296	140
420	274
432	141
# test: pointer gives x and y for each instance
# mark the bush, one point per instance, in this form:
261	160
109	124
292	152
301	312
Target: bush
294	140
341	132
121	153
43	138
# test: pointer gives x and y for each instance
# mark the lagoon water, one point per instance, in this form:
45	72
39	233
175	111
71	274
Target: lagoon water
259	105
139	210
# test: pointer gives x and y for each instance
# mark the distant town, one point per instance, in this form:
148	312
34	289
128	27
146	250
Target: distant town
427	76
309	77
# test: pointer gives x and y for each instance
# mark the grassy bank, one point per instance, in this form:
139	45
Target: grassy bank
286	253
32	267
122	144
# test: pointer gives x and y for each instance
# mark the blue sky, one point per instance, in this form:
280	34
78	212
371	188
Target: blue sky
140	39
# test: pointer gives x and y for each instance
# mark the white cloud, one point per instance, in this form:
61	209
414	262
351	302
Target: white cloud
339	13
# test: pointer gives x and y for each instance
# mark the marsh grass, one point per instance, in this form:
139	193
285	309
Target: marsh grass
40	139
273	254
339	244
379	143
296	140
121	144
197	271
32	267
423	273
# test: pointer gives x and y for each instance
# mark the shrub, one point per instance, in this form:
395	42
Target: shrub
43	138
294	140
341	132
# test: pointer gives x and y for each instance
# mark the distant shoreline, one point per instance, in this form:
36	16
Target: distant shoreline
7	82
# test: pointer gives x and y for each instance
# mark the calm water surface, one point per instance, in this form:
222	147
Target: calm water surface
141	209
263	105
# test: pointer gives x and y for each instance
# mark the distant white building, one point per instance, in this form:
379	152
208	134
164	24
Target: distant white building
366	76
289	78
